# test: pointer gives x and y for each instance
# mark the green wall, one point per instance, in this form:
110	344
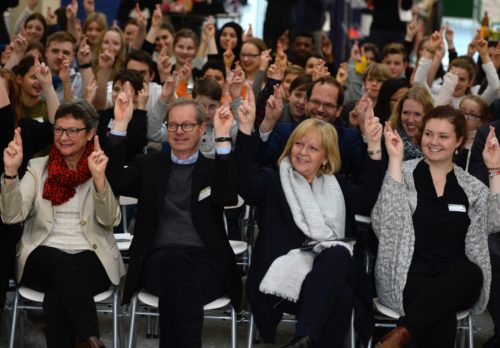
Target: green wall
458	8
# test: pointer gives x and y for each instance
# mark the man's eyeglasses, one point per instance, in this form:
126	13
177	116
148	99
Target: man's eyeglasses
186	127
327	106
71	132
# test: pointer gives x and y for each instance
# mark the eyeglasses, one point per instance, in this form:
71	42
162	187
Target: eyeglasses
327	106
186	127
249	55
470	116
71	132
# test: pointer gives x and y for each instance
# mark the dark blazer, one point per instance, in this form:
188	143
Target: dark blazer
136	131
146	179
279	234
4	5
476	164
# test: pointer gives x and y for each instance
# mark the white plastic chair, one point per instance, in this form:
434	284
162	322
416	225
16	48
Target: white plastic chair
464	320
34	302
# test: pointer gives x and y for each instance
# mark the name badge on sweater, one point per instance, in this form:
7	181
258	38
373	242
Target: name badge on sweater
457	207
204	193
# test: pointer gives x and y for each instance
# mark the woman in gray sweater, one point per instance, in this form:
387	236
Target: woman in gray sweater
432	220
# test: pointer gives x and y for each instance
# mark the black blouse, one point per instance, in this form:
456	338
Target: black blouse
440	223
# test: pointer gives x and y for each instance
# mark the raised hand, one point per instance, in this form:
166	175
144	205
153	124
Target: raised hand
249	33
142	96
141	18
393	143
72	10
275	72
13	154
19	44
97	162
106	60
168	90
356	52
342	73
320	70
124	108
411	28
157	18
228	57
449	36
185	71
482	48
223	120
84	55
273	112
64	70
163	64
42	73
491	151
89	6
209	28
281	57
51	16
246	113
265	59
235	81
372	129
284	40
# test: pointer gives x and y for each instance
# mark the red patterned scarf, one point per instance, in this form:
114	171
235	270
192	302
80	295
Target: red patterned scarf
61	182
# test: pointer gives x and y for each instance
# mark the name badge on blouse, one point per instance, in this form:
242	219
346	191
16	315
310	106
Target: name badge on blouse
457	208
204	193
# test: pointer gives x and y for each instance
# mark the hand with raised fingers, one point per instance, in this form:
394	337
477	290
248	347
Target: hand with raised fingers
246	113
372	129
19	44
124	108
168	90
141	18
223	120
106	60
281	57
209	28
42	73
89	6
393	143
157	18
84	55
64	74
51	16
265	59
13	154
236	81
320	70
185	71
163	64
274	108
249	33
491	151
97	162
356	52
342	73
275	72
72	10
143	96
228	57
482	49
411	28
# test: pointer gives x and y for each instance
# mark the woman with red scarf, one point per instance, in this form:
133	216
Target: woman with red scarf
67	249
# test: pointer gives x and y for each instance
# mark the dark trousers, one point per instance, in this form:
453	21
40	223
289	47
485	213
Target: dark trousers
494	304
9	236
326	300
431	302
184	280
69	282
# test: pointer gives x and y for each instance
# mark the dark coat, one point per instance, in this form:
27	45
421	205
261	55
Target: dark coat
146	179
279	234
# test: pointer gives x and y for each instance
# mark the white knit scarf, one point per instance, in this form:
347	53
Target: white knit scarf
318	210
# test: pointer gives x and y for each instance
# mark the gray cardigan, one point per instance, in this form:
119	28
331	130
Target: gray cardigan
393	225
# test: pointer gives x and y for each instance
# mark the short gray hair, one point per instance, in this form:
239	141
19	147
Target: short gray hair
79	109
199	109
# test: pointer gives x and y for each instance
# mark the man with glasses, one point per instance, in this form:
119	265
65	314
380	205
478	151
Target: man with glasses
324	101
180	251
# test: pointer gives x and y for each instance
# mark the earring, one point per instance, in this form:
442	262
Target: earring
456	152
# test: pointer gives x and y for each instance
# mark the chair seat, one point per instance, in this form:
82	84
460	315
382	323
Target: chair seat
123	240
392	314
125	200
238	246
37	296
152	300
363	219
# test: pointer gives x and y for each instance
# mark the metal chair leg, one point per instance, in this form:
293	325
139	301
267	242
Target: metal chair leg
12	335
471	331
132	333
115	299
352	336
233	328
250	332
